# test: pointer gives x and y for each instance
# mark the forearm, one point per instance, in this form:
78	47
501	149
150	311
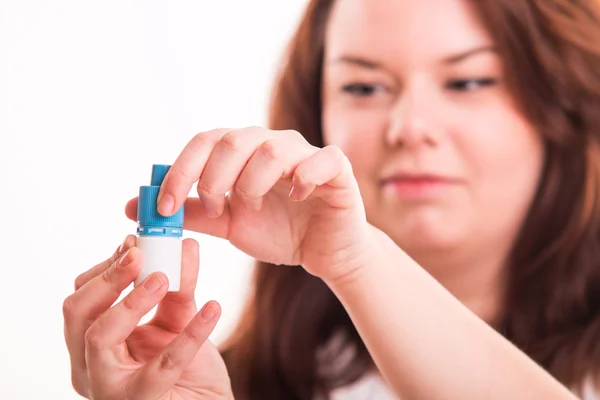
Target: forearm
426	343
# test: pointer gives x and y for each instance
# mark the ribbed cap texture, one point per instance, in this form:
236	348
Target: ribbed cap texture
147	207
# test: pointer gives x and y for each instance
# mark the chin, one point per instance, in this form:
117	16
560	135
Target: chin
425	232
418	242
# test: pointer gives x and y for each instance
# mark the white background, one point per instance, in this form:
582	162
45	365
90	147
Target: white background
92	93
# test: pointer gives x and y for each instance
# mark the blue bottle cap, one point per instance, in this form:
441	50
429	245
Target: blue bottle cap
150	222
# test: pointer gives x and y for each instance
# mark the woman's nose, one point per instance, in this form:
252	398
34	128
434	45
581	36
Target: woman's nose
411	122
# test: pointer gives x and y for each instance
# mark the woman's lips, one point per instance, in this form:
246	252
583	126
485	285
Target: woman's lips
418	187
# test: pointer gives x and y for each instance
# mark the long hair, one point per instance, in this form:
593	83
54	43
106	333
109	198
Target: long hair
551	54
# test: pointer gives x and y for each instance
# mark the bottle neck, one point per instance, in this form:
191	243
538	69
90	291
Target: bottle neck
166	231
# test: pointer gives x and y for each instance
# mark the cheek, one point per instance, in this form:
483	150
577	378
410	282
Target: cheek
360	136
504	157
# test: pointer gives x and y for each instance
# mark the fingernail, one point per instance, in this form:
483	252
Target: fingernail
209	312
166	203
254	204
120	251
212	213
209	206
294	193
122	246
153	283
125	259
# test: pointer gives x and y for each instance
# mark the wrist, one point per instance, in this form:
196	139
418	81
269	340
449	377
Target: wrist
372	249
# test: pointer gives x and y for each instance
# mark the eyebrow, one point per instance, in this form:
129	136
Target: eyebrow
358	61
451	59
458	57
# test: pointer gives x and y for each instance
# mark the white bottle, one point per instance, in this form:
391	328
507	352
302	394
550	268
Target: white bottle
158	237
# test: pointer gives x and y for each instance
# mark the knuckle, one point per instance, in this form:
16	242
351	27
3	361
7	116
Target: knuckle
174	170
205	190
93	339
338	157
69	307
294	134
166	362
80	281
336	153
112	259
107	276
192	336
131	302
244	193
231	142
271	149
255	128
204	139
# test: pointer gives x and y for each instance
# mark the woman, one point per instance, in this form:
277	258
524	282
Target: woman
471	130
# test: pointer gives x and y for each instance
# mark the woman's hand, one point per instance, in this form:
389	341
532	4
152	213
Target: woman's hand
288	202
168	358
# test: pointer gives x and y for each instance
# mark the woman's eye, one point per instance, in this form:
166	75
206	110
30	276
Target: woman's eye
361	89
465	85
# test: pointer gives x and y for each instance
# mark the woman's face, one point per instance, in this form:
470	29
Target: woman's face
414	94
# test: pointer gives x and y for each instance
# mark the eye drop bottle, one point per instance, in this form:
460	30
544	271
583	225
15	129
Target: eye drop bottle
158	237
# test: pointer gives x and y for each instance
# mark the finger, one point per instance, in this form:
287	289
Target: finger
82	279
224	165
273	160
105	337
186	170
195	218
157	377
84	306
329	168
177	308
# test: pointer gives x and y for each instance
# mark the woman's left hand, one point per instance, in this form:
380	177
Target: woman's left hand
273	196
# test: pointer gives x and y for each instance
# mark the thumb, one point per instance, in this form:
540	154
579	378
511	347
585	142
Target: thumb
195	218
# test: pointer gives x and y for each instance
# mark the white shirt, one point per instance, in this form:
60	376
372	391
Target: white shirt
370	387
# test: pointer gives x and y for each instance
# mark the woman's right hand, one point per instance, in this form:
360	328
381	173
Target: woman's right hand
112	358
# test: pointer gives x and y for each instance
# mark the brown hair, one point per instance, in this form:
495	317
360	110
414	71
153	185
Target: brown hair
551	52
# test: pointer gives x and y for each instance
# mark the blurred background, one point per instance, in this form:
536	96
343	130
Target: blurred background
92	93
